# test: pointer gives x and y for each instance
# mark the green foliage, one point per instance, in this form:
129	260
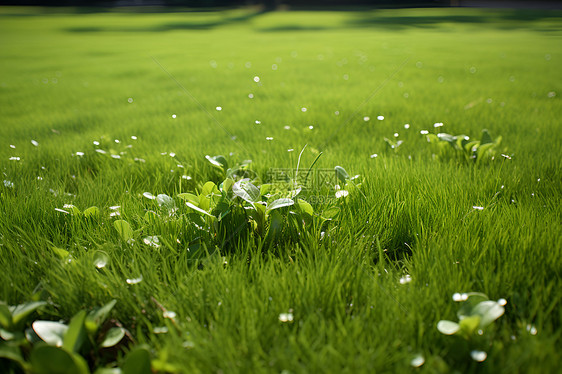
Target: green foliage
54	347
476	314
463	147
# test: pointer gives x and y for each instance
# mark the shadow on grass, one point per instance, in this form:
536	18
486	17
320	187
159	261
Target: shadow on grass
373	18
172	26
505	19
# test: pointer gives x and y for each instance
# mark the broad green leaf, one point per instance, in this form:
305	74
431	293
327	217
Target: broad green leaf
258	214
8	335
280	203
208	189
294	192
218	161
46	359
215	199
246	191
489	311
331	212
483	149
12	352
204	203
165	202
432	138
260	209
137	362
22	311
61	253
469	324
447	327
194	199
50	332
473	299
275	224
221	210
305	207
5	316
470	145
93	212
222	160
98	316
227	185
124	230
341	174
150	217
76	333
113	336
264	189
486	138
101	259
462	140
214	162
198	210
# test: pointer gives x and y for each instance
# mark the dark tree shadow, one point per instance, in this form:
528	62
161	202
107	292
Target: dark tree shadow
505	19
172	26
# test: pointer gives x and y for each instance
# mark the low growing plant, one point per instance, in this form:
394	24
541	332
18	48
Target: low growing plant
45	347
464	147
476	315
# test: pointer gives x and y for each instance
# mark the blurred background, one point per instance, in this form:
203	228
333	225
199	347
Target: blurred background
294	4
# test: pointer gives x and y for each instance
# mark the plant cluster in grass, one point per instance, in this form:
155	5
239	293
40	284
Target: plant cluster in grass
89	340
238	212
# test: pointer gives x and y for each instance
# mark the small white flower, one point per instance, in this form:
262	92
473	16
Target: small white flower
417	361
286	317
478	355
134	280
531	329
405	279
341	193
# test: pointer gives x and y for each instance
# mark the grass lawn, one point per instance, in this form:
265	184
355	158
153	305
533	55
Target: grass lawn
99	108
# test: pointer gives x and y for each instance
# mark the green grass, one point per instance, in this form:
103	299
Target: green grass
65	81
